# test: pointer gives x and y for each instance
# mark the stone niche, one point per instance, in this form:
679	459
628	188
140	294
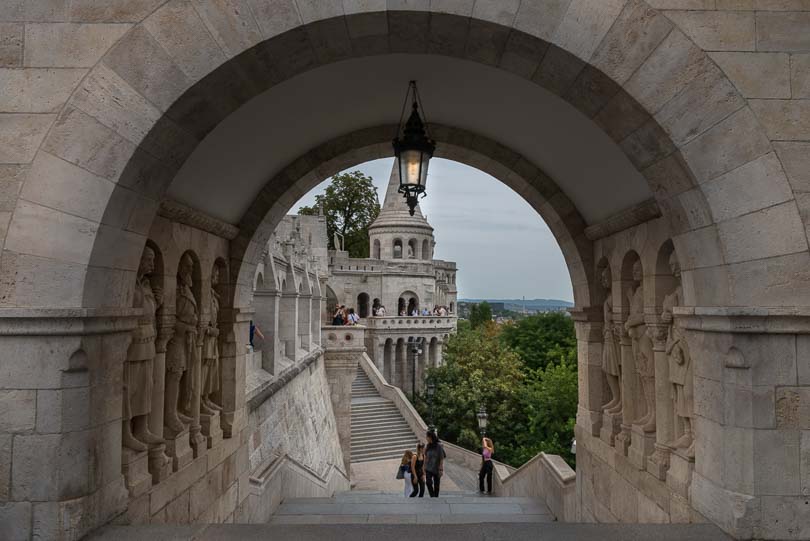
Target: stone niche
182	450
636	420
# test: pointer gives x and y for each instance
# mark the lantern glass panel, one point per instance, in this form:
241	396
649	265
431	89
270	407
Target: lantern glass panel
410	166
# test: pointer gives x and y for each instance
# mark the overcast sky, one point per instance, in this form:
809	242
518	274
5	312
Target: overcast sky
501	245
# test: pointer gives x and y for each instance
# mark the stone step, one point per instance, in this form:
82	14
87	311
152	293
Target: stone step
365	527
403	442
373	415
381	431
359	407
380	435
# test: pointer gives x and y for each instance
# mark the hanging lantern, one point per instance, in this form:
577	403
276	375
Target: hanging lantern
413	149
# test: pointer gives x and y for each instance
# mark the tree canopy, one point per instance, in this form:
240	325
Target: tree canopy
531	408
350	204
480	314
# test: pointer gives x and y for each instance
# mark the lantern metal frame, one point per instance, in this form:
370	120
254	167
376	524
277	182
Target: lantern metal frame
413	136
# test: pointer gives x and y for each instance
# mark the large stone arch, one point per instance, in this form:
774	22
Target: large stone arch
603	59
91	161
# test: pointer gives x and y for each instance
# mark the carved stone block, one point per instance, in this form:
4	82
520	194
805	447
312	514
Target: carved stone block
611	426
160	465
135	467
211	429
658	462
642	445
179	449
622	442
679	475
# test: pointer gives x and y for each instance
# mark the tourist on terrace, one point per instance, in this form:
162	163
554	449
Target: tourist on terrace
381	311
403	312
425	311
405	471
434	464
254	330
487	450
338	319
418	471
352	318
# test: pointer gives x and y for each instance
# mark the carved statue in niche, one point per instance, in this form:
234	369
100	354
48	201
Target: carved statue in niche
137	403
642	349
411	255
181	349
680	364
611	356
210	361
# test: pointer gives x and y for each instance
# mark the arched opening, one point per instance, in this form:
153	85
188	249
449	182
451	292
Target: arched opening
331	306
388	361
362	305
412	249
397	248
375	252
259	281
675	153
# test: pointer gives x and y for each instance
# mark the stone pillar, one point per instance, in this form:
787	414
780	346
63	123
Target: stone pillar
400	354
315	311
439	359
589	359
342	351
160	465
288	325
630	389
199	443
234	334
63	412
658	462
304	324
379	357
266	305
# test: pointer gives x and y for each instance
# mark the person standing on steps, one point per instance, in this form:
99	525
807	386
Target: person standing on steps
487	450
418	471
405	471
434	464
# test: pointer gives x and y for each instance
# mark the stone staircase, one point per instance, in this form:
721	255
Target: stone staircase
379	432
364	507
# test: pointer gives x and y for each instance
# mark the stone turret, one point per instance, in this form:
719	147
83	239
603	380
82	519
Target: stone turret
395	234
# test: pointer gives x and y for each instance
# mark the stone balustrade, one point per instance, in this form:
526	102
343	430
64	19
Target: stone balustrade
411	322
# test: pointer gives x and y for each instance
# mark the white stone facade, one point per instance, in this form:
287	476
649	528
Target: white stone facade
401	276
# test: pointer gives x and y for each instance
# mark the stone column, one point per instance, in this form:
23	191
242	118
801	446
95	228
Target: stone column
630	389
198	442
234	333
266	305
342	352
160	465
288	325
589	359
658	462
304	324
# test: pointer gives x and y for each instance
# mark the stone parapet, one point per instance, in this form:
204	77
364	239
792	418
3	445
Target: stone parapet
411	323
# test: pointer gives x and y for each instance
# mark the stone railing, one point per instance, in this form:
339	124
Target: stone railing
545	477
410	322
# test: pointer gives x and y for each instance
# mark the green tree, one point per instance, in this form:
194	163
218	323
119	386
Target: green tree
549	401
477	371
542	339
480	314
350	204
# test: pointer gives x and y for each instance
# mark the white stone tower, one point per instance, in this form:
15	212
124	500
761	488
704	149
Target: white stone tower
395	234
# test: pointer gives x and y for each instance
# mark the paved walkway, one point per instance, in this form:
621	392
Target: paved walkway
383	508
380	476
409	532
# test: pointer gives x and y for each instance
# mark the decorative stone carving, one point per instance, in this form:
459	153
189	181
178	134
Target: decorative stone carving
680	365
210	360
642	350
137	403
611	356
181	351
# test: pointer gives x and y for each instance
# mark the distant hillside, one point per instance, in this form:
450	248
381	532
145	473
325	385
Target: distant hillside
529	304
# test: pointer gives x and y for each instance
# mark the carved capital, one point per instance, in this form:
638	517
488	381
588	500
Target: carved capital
658	333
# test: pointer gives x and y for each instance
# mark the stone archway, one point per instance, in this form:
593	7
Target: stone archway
125	127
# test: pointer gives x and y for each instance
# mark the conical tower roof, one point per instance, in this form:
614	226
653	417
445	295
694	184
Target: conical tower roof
394	211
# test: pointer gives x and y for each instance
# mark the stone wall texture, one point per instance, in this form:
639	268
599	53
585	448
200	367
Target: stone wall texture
102	102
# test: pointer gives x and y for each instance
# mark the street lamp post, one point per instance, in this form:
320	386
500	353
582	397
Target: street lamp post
483	420
416	350
431	392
